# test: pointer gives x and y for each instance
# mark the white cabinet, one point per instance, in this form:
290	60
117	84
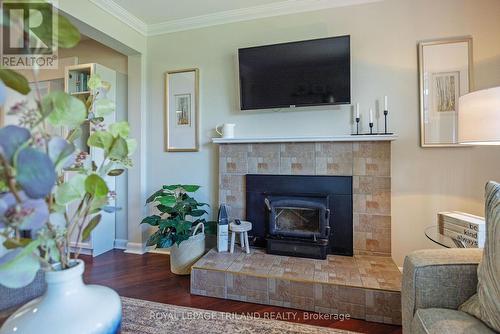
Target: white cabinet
102	237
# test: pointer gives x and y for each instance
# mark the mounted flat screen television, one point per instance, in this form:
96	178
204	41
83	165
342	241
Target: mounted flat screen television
297	74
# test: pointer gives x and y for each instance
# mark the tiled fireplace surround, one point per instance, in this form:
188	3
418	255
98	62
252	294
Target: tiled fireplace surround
368	162
367	286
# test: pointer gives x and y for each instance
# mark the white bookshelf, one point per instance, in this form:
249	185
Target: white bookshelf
102	237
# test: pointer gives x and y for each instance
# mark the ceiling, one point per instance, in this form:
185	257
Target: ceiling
157	11
154	17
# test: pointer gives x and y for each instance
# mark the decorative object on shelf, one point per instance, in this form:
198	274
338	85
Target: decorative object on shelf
479	117
445	73
226	130
34	194
175	230
386	112
358	118
242	228
182	110
371	121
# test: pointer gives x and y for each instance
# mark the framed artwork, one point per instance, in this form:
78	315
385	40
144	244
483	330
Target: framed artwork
445	74
182	110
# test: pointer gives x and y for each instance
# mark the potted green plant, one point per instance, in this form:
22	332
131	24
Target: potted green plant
180	225
36	188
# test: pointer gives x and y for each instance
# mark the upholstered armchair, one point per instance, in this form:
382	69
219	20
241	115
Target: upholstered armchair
437	283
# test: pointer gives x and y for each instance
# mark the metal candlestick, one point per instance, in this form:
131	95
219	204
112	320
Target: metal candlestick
357	125
385	120
371	128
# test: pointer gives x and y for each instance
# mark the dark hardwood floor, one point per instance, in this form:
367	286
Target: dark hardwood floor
148	277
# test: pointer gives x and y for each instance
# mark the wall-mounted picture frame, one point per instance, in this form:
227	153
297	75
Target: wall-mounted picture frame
182	110
445	74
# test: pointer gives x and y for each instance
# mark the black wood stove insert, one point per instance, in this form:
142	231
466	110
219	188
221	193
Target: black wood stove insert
304	216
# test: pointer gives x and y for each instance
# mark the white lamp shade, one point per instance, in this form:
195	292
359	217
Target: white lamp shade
479	117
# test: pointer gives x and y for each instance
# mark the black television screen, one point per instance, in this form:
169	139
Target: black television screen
305	73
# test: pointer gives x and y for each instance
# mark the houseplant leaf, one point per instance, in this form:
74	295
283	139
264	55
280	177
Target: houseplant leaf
39	214
190	188
18	267
154	239
197	213
115	172
101	139
104	107
35	173
96	186
118	150
90	226
64	109
119	129
60	150
94	82
151	220
12	137
15	81
70	190
153	197
167	200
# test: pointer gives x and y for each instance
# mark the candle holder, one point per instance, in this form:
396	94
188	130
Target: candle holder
357	125
371	127
385	121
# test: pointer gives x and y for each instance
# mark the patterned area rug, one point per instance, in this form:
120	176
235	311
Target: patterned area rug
144	317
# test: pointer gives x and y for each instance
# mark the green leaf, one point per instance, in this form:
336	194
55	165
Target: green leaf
166	223
22	242
118	150
120	129
166	242
167	200
154	239
103	107
197	213
115	172
67	35
71	190
166	209
15	81
90	226
18	267
101	139
153	197
96	186
151	220
94	82
189	188
183	227
64	109
172	187
181	238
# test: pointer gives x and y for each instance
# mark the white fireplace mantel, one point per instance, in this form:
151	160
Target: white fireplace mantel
304	139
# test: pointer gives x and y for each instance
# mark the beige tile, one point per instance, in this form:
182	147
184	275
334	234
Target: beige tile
264	159
297	159
334	158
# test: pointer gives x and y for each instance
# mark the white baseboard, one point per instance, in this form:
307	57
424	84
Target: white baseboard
120	244
135	248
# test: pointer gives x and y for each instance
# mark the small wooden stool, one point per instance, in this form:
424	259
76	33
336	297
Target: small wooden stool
243	231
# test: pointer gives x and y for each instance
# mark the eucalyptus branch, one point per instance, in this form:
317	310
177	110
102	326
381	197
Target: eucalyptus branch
11	183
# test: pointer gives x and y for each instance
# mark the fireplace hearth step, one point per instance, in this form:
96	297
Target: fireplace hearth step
365	287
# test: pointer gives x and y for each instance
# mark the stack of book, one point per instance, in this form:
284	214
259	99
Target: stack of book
469	230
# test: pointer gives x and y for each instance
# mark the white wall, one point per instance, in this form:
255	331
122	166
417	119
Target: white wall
384	40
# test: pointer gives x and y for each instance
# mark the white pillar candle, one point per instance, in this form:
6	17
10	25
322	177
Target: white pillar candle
371	115
357	110
385	102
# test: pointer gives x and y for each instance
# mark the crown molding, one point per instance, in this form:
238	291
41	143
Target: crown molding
122	14
230	16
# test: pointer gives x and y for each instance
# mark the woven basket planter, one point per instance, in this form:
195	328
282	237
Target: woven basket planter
182	257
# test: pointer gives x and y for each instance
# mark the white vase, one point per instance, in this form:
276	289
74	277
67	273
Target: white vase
189	251
68	306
